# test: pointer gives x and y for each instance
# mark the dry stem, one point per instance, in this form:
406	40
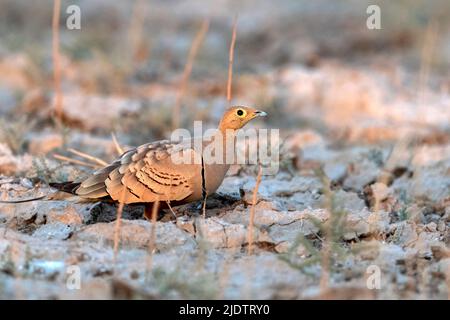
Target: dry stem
57	60
152	243
88	157
426	59
252	211
204	205
74	161
137	45
187	71
230	61
119	149
118	225
171	210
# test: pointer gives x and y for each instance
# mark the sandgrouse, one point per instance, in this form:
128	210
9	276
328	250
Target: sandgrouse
149	174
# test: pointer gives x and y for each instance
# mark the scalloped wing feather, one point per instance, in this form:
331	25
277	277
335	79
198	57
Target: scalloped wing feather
144	174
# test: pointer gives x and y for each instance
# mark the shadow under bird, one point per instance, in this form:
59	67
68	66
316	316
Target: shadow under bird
147	174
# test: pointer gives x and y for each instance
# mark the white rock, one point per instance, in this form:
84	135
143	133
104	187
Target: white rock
134	233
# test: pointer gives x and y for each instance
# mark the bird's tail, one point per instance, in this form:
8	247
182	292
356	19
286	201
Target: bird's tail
65	191
68	186
23	200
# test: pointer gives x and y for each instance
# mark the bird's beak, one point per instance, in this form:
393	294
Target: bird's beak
260	113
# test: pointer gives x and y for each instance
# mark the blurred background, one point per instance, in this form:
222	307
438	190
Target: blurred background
306	63
369	107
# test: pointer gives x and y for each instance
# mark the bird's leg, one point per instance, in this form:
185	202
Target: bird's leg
148	211
204	191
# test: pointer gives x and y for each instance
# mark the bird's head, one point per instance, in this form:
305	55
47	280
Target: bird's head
238	116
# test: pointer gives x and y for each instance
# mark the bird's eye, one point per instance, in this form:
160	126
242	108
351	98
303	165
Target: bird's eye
241	113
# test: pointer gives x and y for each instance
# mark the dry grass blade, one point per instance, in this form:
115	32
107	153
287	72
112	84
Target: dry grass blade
152	242
204	205
57	60
231	60
74	161
428	50
137	44
171	210
119	149
252	211
87	156
187	71
118	225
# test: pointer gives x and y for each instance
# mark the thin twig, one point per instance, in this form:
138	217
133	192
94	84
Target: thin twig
252	211
152	242
230	61
138	51
204	205
118	224
187	71
57	60
88	156
171	210
74	161
426	59
119	149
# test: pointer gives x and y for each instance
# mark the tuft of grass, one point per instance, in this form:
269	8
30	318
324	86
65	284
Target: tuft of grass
42	171
331	250
403	214
13	133
376	156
